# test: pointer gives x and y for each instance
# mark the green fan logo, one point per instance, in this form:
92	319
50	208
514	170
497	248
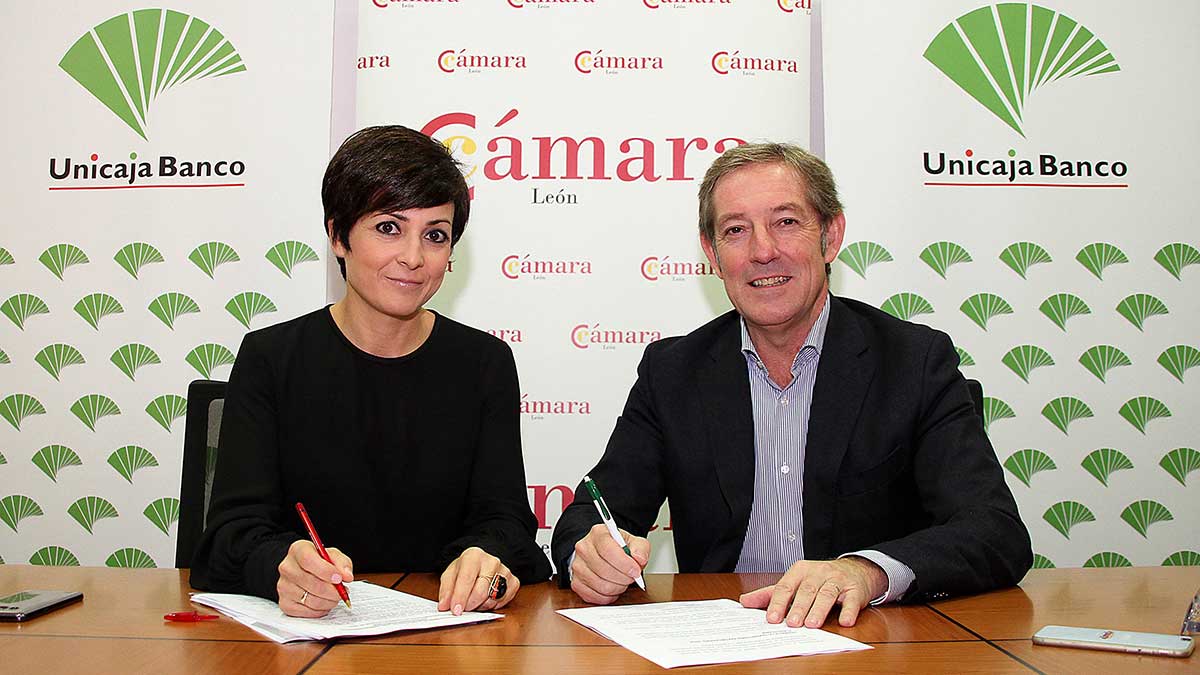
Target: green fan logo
130	557
128	60
1000	54
163	512
1025	463
128	459
54	556
52	458
87	510
15	508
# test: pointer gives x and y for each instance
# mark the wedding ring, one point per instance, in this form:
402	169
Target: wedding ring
303	598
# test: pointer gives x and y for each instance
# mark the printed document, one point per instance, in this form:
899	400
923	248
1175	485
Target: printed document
377	610
674	634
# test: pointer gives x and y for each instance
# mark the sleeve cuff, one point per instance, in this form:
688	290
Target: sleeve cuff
900	576
566	573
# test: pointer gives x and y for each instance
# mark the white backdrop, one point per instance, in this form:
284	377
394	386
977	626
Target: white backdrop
577	283
659	87
62	498
887	106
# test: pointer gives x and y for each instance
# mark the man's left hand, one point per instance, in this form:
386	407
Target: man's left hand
810	588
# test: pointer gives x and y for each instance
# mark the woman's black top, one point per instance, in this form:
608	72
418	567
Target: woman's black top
401	462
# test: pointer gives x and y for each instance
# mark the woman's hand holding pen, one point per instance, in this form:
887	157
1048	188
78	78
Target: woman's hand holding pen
467	582
306	581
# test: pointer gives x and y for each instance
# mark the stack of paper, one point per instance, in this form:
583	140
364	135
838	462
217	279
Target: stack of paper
377	610
675	634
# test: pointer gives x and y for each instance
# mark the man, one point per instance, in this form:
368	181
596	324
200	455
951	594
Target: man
801	433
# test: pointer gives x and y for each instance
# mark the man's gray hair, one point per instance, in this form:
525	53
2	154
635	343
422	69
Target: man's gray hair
821	193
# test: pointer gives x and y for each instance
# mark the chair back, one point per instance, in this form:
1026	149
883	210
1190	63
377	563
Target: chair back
976	389
205	402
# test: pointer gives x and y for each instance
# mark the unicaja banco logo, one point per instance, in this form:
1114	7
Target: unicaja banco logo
128	60
1000	54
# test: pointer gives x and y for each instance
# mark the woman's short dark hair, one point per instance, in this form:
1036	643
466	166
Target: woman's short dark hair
386	169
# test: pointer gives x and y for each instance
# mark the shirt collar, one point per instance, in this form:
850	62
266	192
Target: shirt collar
815	339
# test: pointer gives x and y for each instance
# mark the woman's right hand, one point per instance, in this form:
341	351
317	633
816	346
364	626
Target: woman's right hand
306	581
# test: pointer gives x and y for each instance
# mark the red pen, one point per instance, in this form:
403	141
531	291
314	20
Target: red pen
188	616
316	540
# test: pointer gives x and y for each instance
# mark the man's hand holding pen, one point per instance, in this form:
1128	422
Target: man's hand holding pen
601	570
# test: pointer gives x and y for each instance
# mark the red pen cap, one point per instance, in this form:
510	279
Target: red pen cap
188	616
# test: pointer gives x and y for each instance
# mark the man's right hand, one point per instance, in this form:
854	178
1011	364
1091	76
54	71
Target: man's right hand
305	585
602	570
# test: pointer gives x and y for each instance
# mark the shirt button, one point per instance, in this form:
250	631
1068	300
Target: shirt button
783	401
791	536
785	469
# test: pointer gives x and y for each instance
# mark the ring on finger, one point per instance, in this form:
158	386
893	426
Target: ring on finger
497	585
303	598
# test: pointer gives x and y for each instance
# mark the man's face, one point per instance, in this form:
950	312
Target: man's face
767	247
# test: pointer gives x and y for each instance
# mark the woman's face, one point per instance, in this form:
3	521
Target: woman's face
396	261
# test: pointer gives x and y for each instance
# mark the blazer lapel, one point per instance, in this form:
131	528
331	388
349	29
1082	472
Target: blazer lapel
729	427
843	376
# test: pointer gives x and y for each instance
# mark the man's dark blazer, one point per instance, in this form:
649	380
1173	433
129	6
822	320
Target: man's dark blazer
896	459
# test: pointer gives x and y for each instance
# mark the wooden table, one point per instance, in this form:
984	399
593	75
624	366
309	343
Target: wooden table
1146	599
118	628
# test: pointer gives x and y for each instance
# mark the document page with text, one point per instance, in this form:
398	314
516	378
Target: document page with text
674	634
377	610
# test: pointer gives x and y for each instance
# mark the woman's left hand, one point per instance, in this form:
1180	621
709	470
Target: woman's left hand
467	581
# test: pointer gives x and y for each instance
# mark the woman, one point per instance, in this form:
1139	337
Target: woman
397	428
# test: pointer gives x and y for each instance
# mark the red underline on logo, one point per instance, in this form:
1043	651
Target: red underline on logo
138	187
1048	185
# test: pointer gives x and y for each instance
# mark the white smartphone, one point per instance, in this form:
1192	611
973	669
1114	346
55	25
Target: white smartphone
1162	644
24	605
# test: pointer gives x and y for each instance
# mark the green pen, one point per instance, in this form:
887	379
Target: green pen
609	522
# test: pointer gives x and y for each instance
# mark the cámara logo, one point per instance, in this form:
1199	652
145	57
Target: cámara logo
1000	54
541	407
510	335
128	60
519	4
517	266
587	61
724	63
790	6
680	4
384	4
540	499
655	268
510	155
451	61
584	336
